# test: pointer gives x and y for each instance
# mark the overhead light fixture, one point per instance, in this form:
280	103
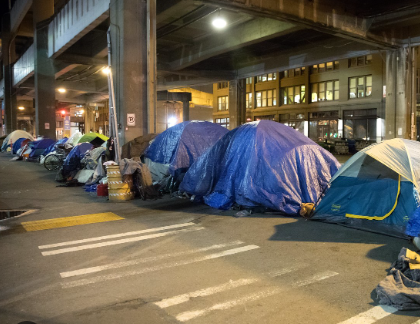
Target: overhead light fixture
219	22
21	108
172	121
61	90
106	70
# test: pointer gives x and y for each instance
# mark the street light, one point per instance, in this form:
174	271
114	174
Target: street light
61	90
219	22
106	70
21	108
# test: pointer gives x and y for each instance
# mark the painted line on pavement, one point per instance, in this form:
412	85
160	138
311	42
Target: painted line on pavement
189	315
117	265
116	242
372	315
100	238
204	292
69	221
167	302
82	282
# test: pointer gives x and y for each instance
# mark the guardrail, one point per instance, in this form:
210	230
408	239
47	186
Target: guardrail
76	19
24	67
18	12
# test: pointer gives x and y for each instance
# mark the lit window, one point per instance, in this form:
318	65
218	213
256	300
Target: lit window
258	96
248	102
293	95
328	90
360	87
223	103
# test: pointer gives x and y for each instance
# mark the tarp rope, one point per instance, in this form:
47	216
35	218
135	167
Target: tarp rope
381	217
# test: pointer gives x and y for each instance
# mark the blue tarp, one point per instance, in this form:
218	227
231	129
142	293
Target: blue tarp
53	146
17	145
39	146
72	161
261	163
180	145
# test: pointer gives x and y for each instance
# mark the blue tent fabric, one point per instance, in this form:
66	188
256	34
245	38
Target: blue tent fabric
39	146
181	145
355	196
261	163
372	192
72	161
17	144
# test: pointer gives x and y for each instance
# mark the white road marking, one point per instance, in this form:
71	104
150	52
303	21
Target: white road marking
122	241
372	315
117	265
100	238
204	292
186	316
118	275
216	289
315	278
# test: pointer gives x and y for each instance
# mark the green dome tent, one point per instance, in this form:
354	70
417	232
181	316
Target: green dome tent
377	189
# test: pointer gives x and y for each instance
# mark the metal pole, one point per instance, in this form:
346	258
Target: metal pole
113	124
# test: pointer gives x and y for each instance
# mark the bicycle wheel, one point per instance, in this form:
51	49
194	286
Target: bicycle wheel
52	162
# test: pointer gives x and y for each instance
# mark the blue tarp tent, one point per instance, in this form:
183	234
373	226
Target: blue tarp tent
17	145
180	145
72	161
261	163
377	189
39	146
53	146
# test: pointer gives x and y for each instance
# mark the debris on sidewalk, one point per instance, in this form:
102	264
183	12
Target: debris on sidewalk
401	288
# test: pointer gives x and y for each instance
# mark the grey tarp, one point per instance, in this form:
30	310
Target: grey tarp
401	288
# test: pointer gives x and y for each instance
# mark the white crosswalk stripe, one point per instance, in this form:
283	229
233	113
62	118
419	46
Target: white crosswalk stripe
117	265
164	303
189	315
88	281
106	237
372	315
121	241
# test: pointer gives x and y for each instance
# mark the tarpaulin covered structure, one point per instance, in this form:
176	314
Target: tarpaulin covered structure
261	163
377	190
14	136
39	146
72	161
17	145
179	146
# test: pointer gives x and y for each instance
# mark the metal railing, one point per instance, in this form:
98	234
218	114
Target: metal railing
73	21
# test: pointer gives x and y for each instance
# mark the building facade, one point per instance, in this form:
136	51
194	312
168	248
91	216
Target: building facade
325	101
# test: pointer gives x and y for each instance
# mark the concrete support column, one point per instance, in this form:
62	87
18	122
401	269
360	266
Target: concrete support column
397	114
237	110
44	74
129	66
151	67
186	110
9	110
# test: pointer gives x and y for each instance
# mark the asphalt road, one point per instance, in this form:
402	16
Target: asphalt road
172	261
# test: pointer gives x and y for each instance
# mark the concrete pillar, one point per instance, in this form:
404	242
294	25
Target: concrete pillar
237	110
151	66
129	66
186	110
397	114
44	74
10	112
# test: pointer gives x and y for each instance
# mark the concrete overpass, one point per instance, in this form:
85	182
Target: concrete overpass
159	45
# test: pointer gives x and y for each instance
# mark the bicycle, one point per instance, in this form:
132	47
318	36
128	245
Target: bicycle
53	162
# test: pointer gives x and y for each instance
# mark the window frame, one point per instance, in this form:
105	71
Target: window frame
361	87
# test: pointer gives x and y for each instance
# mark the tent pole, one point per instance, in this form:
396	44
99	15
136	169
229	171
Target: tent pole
113	124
